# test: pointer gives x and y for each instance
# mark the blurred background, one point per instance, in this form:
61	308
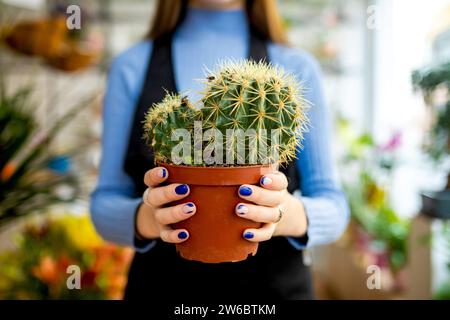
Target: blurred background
386	69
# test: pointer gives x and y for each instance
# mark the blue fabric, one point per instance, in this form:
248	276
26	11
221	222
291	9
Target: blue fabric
204	38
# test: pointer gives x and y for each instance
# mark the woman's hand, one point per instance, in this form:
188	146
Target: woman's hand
267	201
153	219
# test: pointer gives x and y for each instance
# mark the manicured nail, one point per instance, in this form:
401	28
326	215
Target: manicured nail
187	208
265	181
181	189
245	191
182	235
163	173
249	235
241	209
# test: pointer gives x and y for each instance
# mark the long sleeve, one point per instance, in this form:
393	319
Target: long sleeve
113	205
325	204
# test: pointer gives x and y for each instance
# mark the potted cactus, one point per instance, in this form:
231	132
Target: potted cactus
434	83
251	120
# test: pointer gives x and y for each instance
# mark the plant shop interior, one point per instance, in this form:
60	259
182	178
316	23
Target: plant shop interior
385	68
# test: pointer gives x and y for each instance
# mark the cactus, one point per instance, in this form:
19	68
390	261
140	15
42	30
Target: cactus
255	95
162	119
238	96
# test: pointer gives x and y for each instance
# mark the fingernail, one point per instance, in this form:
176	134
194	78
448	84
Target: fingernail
265	181
182	235
162	173
187	208
245	191
181	189
249	235
241	209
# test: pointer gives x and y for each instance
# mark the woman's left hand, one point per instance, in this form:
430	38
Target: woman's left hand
267	201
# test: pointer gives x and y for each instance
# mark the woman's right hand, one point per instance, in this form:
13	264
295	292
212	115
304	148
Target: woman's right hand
154	217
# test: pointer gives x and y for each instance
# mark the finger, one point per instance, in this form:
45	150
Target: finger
274	181
258	195
262	234
175	214
155	176
173	236
160	196
257	213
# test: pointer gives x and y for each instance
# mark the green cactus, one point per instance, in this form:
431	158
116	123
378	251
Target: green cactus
253	101
174	112
255	95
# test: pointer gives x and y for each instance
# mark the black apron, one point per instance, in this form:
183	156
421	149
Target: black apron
276	272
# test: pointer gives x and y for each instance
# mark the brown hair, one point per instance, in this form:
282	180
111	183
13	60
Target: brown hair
262	14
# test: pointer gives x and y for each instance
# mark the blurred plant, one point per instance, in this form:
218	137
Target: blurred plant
50	39
429	80
31	178
443	291
368	192
37	268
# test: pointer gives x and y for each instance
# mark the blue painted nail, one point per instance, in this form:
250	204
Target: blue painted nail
182	235
245	191
164	172
187	208
181	189
241	209
266	180
249	235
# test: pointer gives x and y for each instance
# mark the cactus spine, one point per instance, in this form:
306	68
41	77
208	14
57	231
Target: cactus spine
174	112
239	97
255	95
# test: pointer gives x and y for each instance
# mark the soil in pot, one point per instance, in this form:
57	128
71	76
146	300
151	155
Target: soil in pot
215	231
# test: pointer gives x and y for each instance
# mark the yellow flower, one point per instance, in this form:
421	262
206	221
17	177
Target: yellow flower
81	232
375	195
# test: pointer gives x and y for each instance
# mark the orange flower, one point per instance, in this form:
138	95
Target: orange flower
8	171
47	270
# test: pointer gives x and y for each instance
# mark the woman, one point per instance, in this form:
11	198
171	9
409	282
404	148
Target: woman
131	207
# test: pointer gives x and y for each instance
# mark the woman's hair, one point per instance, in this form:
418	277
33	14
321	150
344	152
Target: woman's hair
263	16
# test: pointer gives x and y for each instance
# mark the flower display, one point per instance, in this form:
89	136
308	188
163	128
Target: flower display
38	267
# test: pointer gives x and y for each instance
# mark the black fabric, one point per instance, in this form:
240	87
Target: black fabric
277	271
160	77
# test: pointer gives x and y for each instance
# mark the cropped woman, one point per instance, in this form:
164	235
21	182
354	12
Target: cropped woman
129	205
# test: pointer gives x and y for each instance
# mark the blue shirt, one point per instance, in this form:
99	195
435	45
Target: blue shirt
204	38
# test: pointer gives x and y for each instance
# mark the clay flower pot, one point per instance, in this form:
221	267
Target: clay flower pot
44	37
73	59
215	231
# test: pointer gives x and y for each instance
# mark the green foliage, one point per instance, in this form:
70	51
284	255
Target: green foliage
370	208
27	184
439	140
443	291
370	167
251	104
428	80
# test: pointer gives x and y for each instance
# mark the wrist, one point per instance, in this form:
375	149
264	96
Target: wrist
294	222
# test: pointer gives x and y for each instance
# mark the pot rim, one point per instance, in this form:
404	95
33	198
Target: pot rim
217	175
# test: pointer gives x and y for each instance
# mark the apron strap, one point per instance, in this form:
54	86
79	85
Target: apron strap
159	77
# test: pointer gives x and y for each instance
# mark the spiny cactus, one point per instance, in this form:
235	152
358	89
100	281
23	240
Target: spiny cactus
255	95
174	112
258	103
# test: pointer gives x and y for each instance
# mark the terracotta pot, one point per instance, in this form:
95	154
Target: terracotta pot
44	37
73	59
215	231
